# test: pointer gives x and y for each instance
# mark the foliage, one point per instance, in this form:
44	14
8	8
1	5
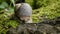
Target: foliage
41	9
50	11
46	8
5	22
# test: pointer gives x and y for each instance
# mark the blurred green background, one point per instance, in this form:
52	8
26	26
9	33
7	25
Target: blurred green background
48	9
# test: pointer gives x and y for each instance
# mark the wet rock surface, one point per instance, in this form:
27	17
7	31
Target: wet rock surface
51	27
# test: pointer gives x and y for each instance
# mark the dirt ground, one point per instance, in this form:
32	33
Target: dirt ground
51	27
